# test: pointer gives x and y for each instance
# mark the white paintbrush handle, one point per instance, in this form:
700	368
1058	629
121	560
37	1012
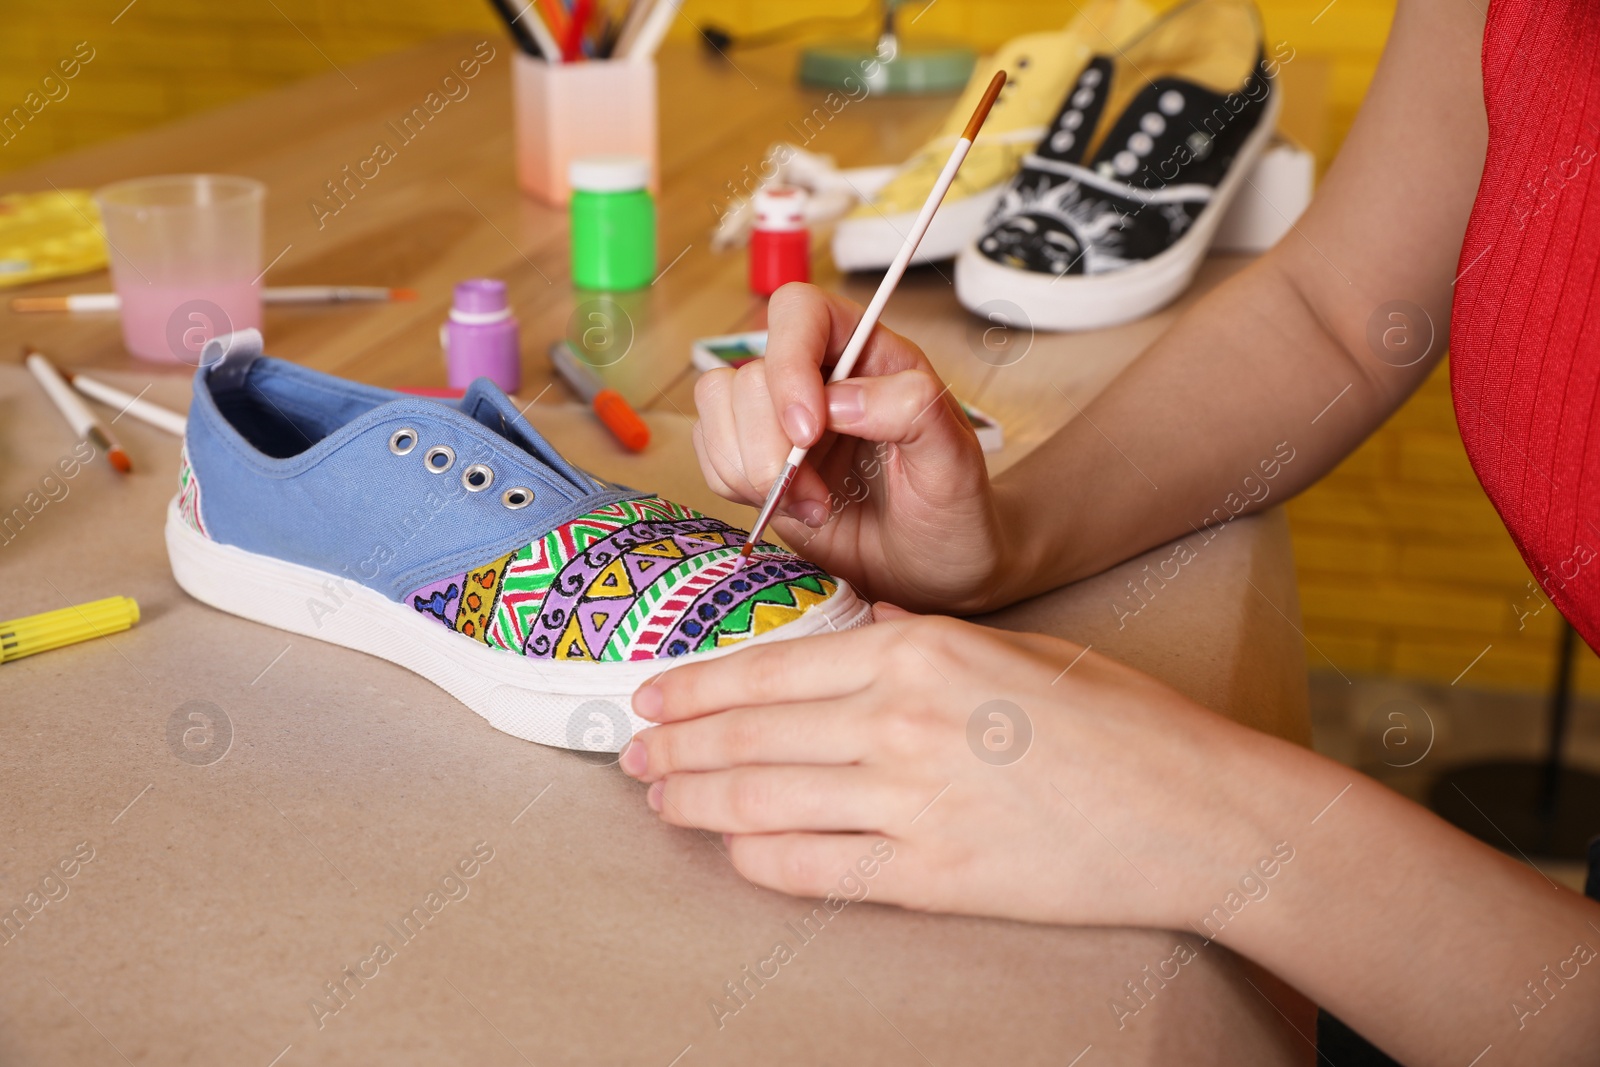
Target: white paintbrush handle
897	268
869	319
70	404
156	415
891	278
94	302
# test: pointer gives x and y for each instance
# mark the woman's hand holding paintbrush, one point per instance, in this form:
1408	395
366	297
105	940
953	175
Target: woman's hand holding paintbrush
901	427
869	320
894	495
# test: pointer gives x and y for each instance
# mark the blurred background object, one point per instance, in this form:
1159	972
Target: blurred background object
48	235
905	66
185	248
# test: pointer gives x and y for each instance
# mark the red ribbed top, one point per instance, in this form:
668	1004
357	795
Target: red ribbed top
1525	328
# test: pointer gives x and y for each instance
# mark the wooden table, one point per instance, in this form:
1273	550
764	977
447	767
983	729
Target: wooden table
223	897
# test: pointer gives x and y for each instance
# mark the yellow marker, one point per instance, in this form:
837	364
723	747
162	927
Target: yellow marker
53	629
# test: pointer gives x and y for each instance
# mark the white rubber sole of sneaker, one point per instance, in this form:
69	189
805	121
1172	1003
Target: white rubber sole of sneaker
584	706
872	243
1095	301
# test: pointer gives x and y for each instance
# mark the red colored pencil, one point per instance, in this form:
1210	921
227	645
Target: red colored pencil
572	47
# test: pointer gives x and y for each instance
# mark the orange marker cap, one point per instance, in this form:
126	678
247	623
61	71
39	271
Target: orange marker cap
621	420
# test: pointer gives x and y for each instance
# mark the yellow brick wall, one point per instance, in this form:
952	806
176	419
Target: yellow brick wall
1404	566
1406	570
163	58
157	59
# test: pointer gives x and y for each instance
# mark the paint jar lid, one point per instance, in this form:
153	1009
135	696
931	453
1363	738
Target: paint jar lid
480	295
609	174
780	207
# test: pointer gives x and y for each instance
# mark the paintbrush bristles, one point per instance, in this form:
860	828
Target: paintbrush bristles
996	83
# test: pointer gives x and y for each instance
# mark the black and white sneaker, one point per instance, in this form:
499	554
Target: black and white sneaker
1110	216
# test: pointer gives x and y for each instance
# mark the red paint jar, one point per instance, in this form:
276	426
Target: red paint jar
780	244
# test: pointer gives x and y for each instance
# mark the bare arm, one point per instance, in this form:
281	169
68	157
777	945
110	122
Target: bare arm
1428	942
1260	360
1433	945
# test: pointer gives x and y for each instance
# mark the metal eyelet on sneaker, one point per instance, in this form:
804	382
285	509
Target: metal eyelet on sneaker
403	441
477	478
517	497
435	455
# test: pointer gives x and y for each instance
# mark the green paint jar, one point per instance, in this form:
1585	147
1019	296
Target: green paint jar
613	223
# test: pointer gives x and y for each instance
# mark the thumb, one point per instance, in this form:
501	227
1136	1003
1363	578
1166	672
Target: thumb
883	611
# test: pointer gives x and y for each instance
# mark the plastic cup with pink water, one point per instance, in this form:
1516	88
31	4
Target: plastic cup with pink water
185	254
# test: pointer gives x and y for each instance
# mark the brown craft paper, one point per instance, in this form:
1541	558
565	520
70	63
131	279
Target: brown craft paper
224	894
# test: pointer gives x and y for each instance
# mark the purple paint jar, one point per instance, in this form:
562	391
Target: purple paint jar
480	340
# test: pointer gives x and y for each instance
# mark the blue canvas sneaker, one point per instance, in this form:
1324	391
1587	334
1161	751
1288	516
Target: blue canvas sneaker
452	539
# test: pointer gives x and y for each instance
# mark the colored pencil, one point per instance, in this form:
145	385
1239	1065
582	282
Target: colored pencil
520	33
541	32
529	28
572	50
628	28
891	278
555	17
652	30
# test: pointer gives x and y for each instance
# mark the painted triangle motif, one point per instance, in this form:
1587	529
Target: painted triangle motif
664	548
643	569
611	582
694	544
571	645
595	620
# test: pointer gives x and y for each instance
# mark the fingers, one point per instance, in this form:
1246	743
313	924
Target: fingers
763	445
910	408
742	451
883	611
847	866
807	330
800	326
716	438
813	733
762	800
752	417
784	671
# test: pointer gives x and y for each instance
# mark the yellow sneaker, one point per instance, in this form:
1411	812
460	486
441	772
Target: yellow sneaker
1041	69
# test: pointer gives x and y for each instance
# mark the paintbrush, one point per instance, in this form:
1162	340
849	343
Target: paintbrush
891	278
74	410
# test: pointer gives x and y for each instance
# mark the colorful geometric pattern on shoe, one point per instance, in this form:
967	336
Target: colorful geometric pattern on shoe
635	580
